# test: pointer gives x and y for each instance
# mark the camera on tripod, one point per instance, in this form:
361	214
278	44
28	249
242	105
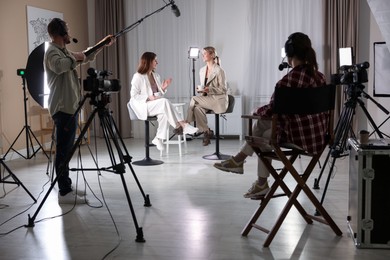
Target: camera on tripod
96	82
351	74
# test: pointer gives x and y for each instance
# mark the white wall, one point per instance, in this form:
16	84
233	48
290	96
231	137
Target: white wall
14	54
368	34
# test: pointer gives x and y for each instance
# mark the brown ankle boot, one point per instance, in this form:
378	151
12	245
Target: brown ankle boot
207	136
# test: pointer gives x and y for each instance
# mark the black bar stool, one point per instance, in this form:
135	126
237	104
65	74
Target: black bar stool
217	155
147	161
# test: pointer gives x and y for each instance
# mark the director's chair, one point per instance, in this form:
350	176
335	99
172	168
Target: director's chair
301	101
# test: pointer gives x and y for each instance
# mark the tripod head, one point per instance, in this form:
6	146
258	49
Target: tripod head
354	91
351	74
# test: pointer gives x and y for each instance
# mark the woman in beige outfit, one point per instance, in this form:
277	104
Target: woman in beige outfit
213	93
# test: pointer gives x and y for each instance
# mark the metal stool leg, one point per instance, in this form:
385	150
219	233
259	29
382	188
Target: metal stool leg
147	161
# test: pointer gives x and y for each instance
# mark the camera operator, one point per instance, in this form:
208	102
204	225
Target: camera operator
305	131
65	92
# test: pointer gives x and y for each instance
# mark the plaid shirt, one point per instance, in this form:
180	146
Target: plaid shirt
306	131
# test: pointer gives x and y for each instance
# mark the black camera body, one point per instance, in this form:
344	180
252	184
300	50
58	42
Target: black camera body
96	82
351	74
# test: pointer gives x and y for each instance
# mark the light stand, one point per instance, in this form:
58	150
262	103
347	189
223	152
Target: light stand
114	143
27	128
193	54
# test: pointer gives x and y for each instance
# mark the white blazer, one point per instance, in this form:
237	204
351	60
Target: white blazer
140	91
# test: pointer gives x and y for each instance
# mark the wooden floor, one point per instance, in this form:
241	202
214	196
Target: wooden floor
197	212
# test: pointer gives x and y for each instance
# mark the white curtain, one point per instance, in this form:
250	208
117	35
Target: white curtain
267	23
170	38
270	24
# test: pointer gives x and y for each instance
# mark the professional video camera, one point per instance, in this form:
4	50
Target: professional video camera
96	82
351	74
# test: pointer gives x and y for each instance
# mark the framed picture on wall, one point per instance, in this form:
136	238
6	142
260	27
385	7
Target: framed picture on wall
381	70
37	21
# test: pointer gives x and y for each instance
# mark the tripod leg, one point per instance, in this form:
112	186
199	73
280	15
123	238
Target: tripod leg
65	162
50	164
30	132
31	220
29	144
111	134
326	185
146	196
16	180
127	159
317	180
12	145
376	128
340	134
119	168
140	234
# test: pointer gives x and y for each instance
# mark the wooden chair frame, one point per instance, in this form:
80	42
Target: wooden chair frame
291	101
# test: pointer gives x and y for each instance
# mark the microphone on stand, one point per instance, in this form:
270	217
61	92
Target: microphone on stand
175	9
283	66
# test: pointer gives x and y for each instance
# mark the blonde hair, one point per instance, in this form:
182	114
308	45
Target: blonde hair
211	50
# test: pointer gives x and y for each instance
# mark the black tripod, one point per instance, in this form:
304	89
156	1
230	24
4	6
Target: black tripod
114	142
343	127
29	134
15	179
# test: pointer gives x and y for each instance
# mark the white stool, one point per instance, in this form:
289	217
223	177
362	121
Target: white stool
180	138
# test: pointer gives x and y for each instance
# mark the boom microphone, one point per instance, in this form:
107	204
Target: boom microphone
175	9
283	66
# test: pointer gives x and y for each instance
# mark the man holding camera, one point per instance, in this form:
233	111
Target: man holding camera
65	92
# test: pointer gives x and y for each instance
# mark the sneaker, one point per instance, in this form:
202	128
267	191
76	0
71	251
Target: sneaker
72	198
189	129
230	166
257	190
158	143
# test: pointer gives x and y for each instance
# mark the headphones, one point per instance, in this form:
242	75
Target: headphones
289	46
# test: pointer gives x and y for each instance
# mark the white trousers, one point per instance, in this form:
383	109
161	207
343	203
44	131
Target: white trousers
261	128
166	115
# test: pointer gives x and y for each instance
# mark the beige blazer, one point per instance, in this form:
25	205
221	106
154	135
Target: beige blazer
217	87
